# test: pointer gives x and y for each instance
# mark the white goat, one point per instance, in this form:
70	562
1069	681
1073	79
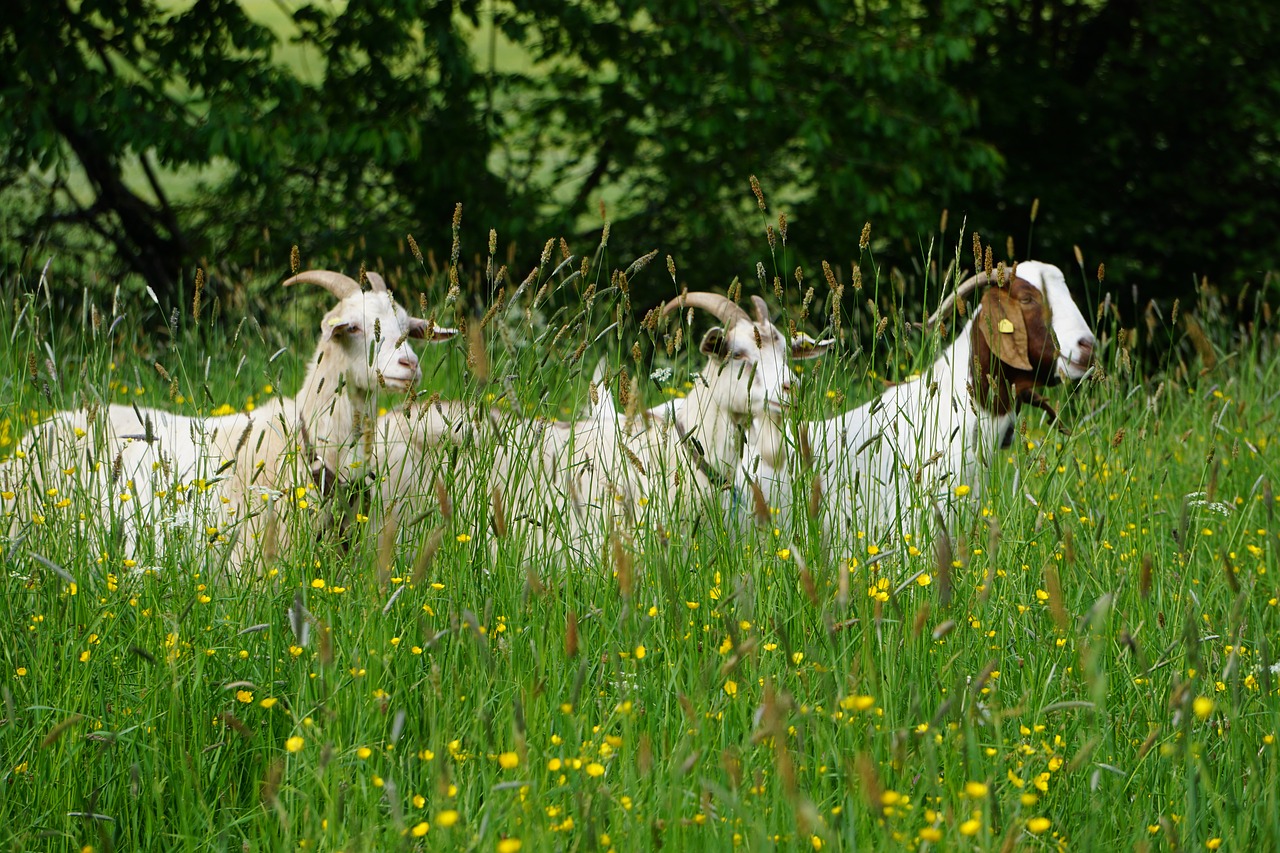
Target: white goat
565	486
882	466
747	379
151	466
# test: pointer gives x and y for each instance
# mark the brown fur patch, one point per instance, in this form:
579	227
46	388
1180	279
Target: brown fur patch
1011	359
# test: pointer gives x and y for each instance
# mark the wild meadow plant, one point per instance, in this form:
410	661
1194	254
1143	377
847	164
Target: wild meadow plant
1090	661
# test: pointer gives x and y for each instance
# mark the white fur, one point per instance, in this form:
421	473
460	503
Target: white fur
868	459
180	478
565	487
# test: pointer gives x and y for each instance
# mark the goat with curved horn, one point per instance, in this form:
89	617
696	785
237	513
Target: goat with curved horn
761	309
724	309
881	468
341	286
250	461
968	286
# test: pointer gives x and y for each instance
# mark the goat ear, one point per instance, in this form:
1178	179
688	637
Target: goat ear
1001	323
714	343
804	347
421	330
341	330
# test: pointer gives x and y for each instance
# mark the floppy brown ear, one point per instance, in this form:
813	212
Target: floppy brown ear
1001	323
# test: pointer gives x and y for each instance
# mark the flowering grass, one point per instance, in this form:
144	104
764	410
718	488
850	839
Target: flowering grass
1098	667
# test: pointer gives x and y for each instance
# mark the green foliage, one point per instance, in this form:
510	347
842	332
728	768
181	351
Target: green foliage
1149	132
843	109
173	136
1113	642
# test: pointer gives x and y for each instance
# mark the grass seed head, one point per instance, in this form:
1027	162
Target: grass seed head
807	583
443	501
1053	585
622	565
760	506
571	635
56	733
872	790
477	355
920	620
829	275
426	554
271	783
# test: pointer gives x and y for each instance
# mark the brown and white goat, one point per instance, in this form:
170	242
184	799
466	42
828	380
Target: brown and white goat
881	467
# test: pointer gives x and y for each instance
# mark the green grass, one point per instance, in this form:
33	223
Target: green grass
737	698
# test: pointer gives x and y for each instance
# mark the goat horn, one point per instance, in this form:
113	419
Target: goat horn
341	286
966	287
762	310
724	309
376	282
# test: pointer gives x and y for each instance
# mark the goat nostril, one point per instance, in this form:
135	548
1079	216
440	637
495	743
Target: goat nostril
1085	348
410	363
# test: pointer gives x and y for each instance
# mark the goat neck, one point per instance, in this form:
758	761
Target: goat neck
719	434
974	415
329	409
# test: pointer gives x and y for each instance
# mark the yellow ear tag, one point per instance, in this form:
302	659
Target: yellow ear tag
1005	326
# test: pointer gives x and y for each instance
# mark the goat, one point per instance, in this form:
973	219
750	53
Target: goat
152	464
747	378
566	486
881	467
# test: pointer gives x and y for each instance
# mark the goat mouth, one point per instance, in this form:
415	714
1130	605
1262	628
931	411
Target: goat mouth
400	383
1072	370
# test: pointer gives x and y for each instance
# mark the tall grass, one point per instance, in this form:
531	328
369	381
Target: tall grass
1101	674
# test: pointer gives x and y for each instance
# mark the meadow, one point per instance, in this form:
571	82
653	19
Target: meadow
1092	666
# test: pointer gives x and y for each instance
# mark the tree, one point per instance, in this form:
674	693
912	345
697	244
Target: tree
1147	131
844	111
1150	132
91	93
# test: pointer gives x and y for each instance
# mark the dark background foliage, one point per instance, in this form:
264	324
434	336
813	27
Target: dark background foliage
1147	131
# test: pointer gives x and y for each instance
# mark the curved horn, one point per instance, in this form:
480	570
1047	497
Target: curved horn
376	282
966	287
762	310
341	286
724	309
